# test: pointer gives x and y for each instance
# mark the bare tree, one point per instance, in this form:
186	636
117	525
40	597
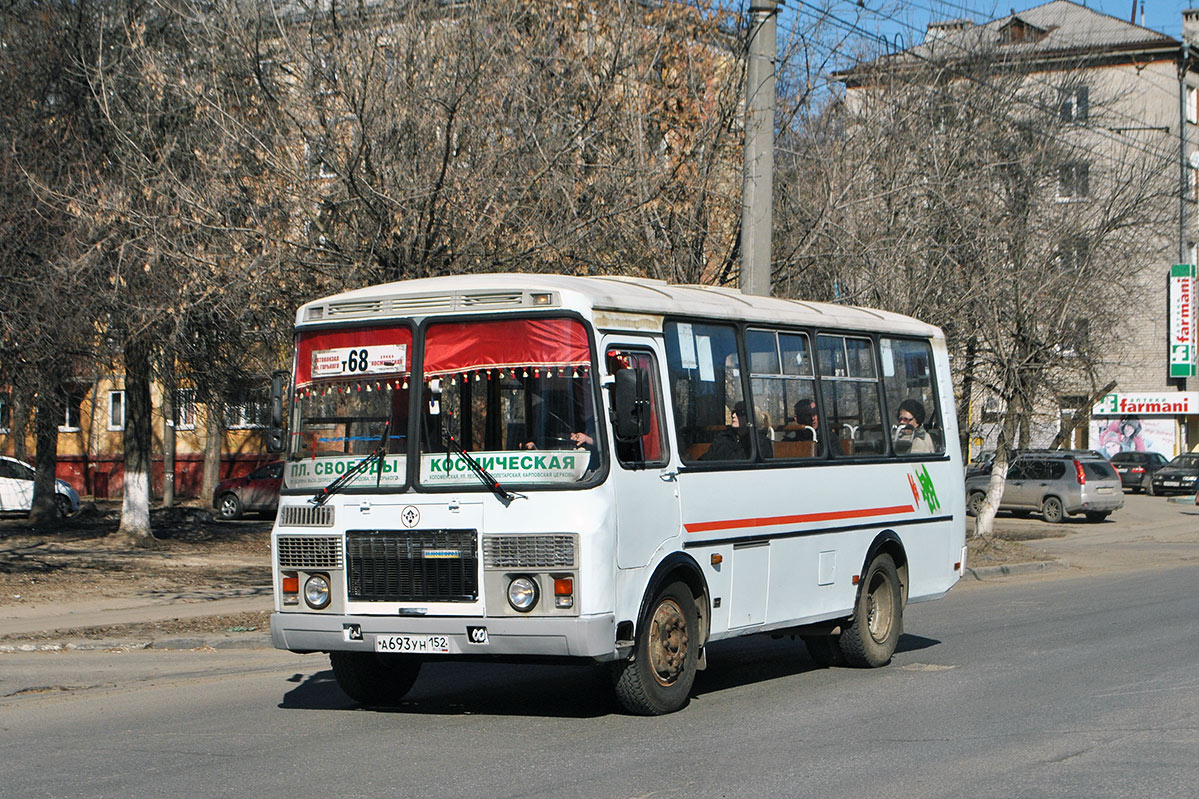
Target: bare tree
954	191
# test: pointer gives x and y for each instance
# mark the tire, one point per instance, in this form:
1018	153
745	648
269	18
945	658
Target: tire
63	505
974	503
657	679
229	507
372	679
1097	515
825	650
870	638
1052	510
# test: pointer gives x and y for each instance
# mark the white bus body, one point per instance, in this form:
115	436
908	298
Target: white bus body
635	552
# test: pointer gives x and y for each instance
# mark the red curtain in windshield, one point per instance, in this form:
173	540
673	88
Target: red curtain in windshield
466	346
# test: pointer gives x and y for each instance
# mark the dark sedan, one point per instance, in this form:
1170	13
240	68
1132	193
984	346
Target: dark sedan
1136	469
257	491
1178	476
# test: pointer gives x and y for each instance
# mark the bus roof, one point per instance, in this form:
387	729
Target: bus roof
461	294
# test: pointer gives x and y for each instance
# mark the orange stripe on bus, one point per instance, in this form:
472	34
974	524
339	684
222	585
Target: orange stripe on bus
769	521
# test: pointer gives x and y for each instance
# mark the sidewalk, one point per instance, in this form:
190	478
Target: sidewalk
31	628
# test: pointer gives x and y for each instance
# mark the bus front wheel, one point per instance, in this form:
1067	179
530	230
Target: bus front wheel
869	640
658	677
374	680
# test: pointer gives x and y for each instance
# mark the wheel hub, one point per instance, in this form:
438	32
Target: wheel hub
668	642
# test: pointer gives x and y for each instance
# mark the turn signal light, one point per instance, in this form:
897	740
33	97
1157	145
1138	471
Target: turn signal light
291	588
564	590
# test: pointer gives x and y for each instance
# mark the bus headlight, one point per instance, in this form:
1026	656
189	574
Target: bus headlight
316	592
522	594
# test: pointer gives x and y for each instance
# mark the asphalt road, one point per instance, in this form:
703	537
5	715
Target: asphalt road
1083	685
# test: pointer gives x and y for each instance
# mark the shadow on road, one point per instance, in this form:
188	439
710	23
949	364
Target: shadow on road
563	691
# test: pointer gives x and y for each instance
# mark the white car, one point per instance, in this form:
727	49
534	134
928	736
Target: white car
16	490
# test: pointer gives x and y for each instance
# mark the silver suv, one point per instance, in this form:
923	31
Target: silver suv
1055	482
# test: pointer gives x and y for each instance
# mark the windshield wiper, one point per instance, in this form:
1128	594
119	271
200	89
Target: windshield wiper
502	494
322	496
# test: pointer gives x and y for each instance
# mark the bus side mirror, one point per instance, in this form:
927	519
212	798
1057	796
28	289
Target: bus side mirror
274	437
630	404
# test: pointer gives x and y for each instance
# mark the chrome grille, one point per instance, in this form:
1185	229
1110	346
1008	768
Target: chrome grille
306	516
308	552
502	299
412	565
529	551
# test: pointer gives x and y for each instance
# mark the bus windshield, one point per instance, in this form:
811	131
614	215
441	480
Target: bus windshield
351	396
517	394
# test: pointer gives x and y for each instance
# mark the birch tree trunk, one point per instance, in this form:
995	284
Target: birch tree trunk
135	507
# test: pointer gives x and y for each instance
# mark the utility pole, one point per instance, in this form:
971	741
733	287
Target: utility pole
758	180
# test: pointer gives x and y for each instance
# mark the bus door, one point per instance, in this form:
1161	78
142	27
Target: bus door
644	485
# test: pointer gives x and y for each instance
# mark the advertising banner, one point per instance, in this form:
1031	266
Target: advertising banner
1182	320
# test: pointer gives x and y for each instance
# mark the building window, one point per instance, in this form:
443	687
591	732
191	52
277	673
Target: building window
73	414
5	414
1072	254
1192	184
1192	104
1074	181
1075	106
1076	334
246	408
185	409
116	410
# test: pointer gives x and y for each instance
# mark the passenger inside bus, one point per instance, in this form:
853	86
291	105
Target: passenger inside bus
734	443
910	436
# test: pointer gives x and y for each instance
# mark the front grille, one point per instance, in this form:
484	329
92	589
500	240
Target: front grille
529	551
306	516
309	552
412	565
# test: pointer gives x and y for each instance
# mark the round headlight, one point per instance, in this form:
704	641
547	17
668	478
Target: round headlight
316	591
522	594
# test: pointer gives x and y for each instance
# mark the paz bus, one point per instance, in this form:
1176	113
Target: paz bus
608	470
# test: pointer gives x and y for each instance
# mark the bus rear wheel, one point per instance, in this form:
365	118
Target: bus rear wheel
372	679
657	679
869	640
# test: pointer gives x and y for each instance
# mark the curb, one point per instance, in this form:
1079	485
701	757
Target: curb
161	644
987	572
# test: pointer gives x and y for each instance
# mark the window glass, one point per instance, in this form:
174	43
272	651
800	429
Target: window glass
116	410
651	448
710	414
911	396
784	399
850	396
517	394
1054	470
351	388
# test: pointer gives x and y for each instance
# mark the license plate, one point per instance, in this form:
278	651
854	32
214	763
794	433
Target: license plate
1121	469
413	644
1107	491
1171	483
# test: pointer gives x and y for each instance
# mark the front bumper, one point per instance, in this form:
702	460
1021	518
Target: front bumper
579	636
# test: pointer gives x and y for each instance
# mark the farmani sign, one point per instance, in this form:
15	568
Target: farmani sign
1165	403
1182	320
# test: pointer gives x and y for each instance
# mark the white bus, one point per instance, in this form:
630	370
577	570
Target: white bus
606	469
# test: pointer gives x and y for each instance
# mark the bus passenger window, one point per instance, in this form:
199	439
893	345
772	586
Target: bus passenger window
850	394
784	392
650	449
705	382
915	424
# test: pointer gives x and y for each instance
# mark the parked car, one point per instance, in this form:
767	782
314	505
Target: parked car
1057	483
1178	476
256	491
1136	469
16	490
